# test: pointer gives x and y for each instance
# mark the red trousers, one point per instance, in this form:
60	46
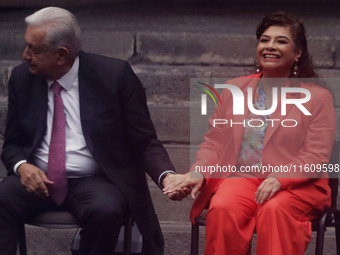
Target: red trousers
282	223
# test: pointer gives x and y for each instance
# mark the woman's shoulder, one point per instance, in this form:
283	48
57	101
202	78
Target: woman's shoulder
243	78
316	87
245	81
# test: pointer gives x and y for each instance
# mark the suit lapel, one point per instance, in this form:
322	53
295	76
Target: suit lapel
39	102
87	98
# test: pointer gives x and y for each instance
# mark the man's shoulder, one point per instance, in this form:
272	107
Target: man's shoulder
22	69
103	65
101	59
21	75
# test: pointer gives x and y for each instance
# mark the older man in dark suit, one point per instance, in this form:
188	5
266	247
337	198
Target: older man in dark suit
79	137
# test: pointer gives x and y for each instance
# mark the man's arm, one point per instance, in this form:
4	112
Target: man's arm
12	152
140	129
13	156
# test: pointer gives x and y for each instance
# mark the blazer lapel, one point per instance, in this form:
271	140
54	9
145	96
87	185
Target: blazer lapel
87	99
238	129
278	117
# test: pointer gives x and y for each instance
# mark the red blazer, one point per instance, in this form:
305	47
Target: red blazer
310	142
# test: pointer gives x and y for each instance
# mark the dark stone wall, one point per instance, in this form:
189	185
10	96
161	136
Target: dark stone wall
68	3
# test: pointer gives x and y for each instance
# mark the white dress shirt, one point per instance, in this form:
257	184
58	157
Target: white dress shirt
79	161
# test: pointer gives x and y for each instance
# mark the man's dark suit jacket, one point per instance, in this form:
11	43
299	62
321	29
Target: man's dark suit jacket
116	126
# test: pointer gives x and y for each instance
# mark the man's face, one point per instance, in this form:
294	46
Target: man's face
42	60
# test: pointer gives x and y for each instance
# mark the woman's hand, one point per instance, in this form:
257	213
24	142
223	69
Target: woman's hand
178	194
193	181
268	188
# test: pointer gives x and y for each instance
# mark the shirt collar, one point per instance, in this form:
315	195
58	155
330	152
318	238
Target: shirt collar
67	80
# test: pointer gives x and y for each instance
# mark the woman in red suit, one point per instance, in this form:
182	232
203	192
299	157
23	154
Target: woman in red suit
279	204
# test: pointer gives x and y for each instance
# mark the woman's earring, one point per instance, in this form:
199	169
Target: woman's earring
295	69
258	68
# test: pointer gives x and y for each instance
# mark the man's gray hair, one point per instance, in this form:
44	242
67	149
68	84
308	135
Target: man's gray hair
63	28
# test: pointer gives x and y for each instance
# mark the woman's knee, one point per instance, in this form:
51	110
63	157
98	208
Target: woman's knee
228	209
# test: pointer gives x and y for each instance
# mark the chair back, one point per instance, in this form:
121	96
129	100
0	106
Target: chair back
334	175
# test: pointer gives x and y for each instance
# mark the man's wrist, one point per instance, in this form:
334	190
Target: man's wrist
17	165
163	176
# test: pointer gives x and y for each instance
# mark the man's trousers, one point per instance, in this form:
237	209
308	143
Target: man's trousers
95	202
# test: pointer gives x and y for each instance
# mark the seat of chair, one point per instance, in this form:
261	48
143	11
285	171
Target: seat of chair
201	220
54	219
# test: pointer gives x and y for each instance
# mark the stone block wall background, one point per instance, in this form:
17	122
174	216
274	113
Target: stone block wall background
168	43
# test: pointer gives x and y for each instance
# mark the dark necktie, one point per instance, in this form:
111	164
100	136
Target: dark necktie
57	150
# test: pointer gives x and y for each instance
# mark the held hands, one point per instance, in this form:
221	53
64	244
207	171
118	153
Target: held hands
34	179
178	194
268	188
182	185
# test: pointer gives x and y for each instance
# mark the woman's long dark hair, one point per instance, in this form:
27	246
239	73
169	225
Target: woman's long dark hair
298	32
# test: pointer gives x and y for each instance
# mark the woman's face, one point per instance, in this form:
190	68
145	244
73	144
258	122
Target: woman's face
276	52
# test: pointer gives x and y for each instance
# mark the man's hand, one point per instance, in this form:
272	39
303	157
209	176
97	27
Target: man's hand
268	188
177	194
34	179
190	180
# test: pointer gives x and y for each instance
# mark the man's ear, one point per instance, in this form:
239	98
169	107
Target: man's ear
63	54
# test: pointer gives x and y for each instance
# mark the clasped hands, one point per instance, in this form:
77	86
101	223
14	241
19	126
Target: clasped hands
180	186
